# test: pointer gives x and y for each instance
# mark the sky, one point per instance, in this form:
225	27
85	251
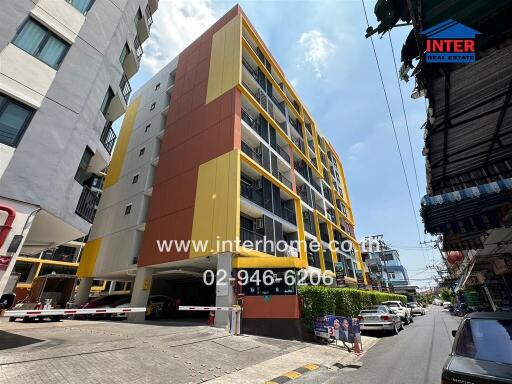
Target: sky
320	46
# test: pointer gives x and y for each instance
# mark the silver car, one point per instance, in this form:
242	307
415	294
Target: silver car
416	309
380	318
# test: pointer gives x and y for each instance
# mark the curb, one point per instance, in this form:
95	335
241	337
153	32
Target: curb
288	376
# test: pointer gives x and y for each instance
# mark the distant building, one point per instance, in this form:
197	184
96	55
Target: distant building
384	267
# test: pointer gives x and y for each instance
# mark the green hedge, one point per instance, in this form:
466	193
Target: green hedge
318	301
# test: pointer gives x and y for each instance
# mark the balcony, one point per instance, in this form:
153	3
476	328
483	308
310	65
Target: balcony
149	17
251	153
138	48
308	127
320	208
288	214
251	193
142	26
108	137
251	122
315	185
251	70
125	87
87	204
285	181
299	143
253	237
283	153
327	194
295	124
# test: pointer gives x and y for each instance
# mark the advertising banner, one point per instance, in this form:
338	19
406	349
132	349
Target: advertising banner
339	328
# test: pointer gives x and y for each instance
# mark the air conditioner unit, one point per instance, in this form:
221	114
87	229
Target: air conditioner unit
260	224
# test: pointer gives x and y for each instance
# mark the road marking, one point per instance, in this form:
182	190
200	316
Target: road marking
288	376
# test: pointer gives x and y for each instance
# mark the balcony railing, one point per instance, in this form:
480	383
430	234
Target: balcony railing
126	88
149	18
299	143
303	194
308	127
315	185
251	153
87	204
252	71
320	208
138	48
285	181
283	153
288	215
327	194
249	192
108	137
250	236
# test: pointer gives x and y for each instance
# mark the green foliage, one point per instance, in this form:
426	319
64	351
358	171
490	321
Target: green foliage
446	294
317	301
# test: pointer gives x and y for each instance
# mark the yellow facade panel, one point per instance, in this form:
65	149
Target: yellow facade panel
116	165
88	259
225	59
216	209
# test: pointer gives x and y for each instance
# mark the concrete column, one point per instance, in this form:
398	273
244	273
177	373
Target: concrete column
84	289
140	292
224	293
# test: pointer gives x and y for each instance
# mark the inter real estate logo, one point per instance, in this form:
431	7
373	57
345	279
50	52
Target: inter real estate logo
450	42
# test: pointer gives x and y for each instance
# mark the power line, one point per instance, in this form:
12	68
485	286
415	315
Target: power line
405	116
394	128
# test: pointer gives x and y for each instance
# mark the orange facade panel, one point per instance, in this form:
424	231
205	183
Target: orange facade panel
196	132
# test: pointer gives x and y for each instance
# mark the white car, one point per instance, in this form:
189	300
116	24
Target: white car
446	304
404	312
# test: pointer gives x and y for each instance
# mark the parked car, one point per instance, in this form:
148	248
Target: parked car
105	301
416	309
380	318
437	302
482	350
156	307
447	304
403	311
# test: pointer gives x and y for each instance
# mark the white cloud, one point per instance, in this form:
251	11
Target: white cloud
317	50
176	24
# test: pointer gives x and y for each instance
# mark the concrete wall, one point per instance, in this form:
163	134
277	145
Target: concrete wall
120	238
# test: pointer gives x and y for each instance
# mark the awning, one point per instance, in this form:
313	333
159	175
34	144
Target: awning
463	217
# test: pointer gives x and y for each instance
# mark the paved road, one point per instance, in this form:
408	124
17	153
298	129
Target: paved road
416	355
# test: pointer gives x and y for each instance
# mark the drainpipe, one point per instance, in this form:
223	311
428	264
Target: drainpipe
6	227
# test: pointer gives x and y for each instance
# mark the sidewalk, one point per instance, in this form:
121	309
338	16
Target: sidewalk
321	355
84	352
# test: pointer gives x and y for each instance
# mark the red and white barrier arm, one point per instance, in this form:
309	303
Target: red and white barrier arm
195	308
68	311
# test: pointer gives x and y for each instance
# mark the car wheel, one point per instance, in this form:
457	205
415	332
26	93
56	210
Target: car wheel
411	319
401	325
406	320
11	319
396	329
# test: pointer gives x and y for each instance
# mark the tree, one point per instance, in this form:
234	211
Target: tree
446	294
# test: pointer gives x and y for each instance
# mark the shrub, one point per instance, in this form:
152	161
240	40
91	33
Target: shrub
317	301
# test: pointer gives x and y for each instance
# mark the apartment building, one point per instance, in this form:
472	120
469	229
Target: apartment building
218	146
65	67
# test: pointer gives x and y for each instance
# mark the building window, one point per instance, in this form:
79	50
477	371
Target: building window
391	275
142	150
41	43
128	209
14	119
124	53
157	87
81	172
152	106
105	105
147	127
82	6
135	179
